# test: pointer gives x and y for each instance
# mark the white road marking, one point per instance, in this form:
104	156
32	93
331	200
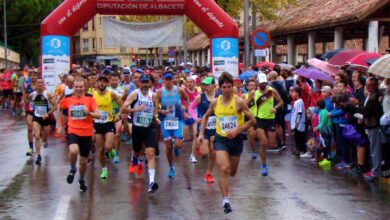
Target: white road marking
62	208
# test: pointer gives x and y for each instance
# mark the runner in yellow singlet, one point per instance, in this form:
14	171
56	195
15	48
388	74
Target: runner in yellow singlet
230	111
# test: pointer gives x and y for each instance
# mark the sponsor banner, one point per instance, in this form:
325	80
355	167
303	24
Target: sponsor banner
55	59
225	56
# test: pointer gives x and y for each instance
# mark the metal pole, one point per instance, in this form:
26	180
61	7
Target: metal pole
5	34
254	29
185	38
246	34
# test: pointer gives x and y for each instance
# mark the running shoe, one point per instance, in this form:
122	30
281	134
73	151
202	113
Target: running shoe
83	187
272	149
29	152
254	155
123	137
324	162
264	171
368	176
340	165
171	172
176	151
131	168
130	141
193	158
70	177
208	178
226	208
104	174
38	161
306	155
116	159
282	147
112	153
140	169
45	144
152	187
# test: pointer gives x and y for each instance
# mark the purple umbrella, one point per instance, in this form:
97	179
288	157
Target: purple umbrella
315	74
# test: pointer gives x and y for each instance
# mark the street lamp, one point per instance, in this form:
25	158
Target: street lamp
246	34
5	34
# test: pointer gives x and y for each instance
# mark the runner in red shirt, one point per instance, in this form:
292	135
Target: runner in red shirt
81	109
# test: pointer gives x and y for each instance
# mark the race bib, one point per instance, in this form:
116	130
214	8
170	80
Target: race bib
211	123
228	123
77	112
171	124
103	117
40	111
143	119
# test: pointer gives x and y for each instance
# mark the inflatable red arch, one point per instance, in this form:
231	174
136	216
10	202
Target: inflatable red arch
69	17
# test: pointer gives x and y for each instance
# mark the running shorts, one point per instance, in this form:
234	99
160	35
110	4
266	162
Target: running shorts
84	143
42	122
266	124
104	128
175	134
144	137
233	146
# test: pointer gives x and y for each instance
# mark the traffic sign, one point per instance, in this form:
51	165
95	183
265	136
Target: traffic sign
261	53
260	39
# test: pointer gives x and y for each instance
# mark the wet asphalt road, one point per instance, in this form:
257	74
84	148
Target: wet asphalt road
294	189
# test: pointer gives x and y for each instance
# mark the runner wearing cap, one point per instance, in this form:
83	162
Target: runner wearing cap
171	117
104	126
201	104
265	119
82	108
250	98
43	104
28	110
143	104
229	110
119	91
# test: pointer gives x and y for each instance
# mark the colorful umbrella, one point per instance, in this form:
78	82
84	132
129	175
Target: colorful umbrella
247	75
360	59
371	61
313	73
270	65
324	66
285	66
381	67
328	55
342	57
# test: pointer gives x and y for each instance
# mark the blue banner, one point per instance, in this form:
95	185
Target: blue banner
225	56
56	45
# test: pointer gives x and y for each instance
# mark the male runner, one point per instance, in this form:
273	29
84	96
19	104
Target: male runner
266	98
202	103
229	110
172	117
28	110
104	126
81	109
143	104
119	91
43	106
250	101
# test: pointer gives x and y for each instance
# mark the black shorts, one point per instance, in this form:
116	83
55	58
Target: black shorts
104	128
8	92
84	143
29	113
42	122
279	117
19	94
266	124
233	146
144	137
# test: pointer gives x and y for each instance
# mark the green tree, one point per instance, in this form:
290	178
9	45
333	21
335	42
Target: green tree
23	21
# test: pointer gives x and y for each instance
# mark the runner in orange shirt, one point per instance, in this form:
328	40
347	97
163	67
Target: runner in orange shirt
81	109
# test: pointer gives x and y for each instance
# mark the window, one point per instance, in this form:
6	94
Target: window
100	43
85	45
94	44
85	28
93	24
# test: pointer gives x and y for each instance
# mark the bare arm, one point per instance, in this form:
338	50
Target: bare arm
130	99
277	99
183	94
117	99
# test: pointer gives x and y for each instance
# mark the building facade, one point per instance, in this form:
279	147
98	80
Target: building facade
13	58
